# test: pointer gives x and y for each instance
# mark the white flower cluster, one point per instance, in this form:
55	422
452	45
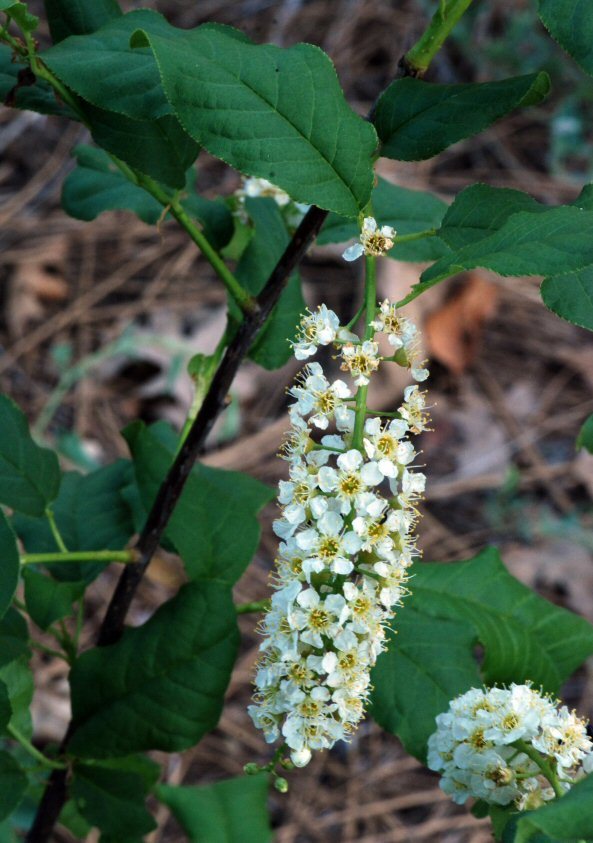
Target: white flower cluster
254	187
346	530
475	746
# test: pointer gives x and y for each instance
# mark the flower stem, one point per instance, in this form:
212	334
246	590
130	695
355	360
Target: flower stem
370	304
417	235
33	752
80	556
249	608
55	531
419	57
546	766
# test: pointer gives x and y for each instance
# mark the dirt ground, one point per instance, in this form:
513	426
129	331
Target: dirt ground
99	319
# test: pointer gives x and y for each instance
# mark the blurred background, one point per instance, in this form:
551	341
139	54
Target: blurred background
98	321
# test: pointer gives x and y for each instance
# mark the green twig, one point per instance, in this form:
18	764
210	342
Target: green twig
249	608
417	60
33	752
370	301
55	531
544	765
417	235
171	202
80	556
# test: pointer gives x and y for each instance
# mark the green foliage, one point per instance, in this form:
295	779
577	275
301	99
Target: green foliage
113	800
29	475
20	15
48	600
22	90
5	708
214	526
524	638
230	811
14	637
417	120
159	148
566	820
9	564
408	211
429	661
275	113
271	348
67	18
571	296
585	437
97	185
571	24
162	685
13	783
17	677
103	69
554	241
91	514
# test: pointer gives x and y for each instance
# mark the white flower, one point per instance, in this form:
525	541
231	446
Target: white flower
318	328
352	478
327	547
360	361
413	410
256	187
317	397
373	240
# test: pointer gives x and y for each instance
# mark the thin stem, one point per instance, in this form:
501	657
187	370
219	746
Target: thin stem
370	305
417	235
545	766
13	42
419	57
33	752
56	654
245	301
55	531
80	556
249	608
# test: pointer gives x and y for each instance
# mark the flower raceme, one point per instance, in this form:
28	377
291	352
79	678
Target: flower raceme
346	535
509	746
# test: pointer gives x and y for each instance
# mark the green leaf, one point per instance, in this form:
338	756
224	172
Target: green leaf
429	661
20	15
416	120
570	23
112	799
162	685
524	636
80	18
18	679
5	708
551	242
408	211
566	820
230	811
71	818
585	437
570	296
213	214
159	148
275	113
214	525
271	348
14	637
19	88
9	564
96	185
104	70
47	599
480	210
29	475
91	514
13	783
